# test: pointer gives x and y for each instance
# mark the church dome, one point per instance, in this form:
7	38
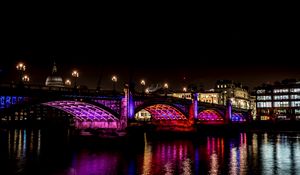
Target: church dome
54	80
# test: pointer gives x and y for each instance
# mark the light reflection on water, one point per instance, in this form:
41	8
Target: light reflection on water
29	151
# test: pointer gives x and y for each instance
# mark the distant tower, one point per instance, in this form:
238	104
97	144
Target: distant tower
54	80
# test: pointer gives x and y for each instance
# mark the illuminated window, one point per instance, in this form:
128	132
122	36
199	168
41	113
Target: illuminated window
297	111
281	90
295	90
281	104
264	104
264	98
280	111
225	86
261	91
295	103
295	96
281	97
282	117
297	117
264	117
218	86
221	86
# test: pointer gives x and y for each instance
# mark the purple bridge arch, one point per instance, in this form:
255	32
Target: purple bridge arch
88	116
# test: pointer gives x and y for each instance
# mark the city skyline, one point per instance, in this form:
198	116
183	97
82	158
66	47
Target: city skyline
176	74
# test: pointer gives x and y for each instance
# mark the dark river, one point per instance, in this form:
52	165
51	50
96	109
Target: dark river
36	151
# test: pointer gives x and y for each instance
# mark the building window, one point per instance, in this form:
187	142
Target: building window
281	97
264	97
264	117
295	96
281	117
281	104
297	117
218	86
261	91
225	86
295	90
281	90
297	111
264	104
295	103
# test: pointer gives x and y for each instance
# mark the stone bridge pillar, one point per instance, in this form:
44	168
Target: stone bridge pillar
228	111
127	108
194	107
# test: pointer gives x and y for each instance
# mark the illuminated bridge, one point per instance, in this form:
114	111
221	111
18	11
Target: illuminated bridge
92	109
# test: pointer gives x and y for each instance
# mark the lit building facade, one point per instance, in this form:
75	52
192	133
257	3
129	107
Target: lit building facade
224	90
280	101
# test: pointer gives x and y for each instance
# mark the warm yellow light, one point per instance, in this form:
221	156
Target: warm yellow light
114	78
25	78
67	82
21	67
143	82
75	74
147	91
166	86
184	89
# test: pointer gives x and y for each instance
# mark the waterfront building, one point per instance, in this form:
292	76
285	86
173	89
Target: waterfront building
278	101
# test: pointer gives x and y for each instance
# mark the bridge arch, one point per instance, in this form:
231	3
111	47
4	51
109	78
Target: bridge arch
210	116
162	111
86	115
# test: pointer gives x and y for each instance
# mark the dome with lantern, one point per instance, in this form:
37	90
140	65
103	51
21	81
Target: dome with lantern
54	80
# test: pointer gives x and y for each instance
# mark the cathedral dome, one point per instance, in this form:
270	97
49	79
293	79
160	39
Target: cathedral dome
54	80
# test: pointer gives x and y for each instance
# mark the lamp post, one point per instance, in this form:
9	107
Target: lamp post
114	79
21	69
184	89
143	83
75	74
25	78
68	82
166	86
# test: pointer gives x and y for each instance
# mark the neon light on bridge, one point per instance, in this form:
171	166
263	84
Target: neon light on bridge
237	117
83	111
209	115
165	112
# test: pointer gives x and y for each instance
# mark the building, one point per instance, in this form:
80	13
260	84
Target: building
224	90
279	101
54	80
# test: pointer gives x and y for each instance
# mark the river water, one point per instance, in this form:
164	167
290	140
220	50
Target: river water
42	151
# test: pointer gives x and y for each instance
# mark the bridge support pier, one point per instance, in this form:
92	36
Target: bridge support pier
228	111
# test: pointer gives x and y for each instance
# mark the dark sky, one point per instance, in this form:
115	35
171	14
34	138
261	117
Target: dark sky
159	48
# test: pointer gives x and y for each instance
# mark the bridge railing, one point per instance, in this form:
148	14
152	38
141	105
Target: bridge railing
15	88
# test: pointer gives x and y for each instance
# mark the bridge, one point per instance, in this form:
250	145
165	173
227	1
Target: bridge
112	110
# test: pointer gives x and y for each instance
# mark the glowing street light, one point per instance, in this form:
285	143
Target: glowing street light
114	79
184	89
75	74
68	82
25	78
143	83
147	91
21	69
166	86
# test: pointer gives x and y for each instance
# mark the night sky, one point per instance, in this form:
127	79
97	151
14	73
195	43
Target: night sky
177	49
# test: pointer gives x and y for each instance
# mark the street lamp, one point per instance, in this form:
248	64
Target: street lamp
21	69
25	78
184	92
114	79
75	74
143	83
166	86
68	82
